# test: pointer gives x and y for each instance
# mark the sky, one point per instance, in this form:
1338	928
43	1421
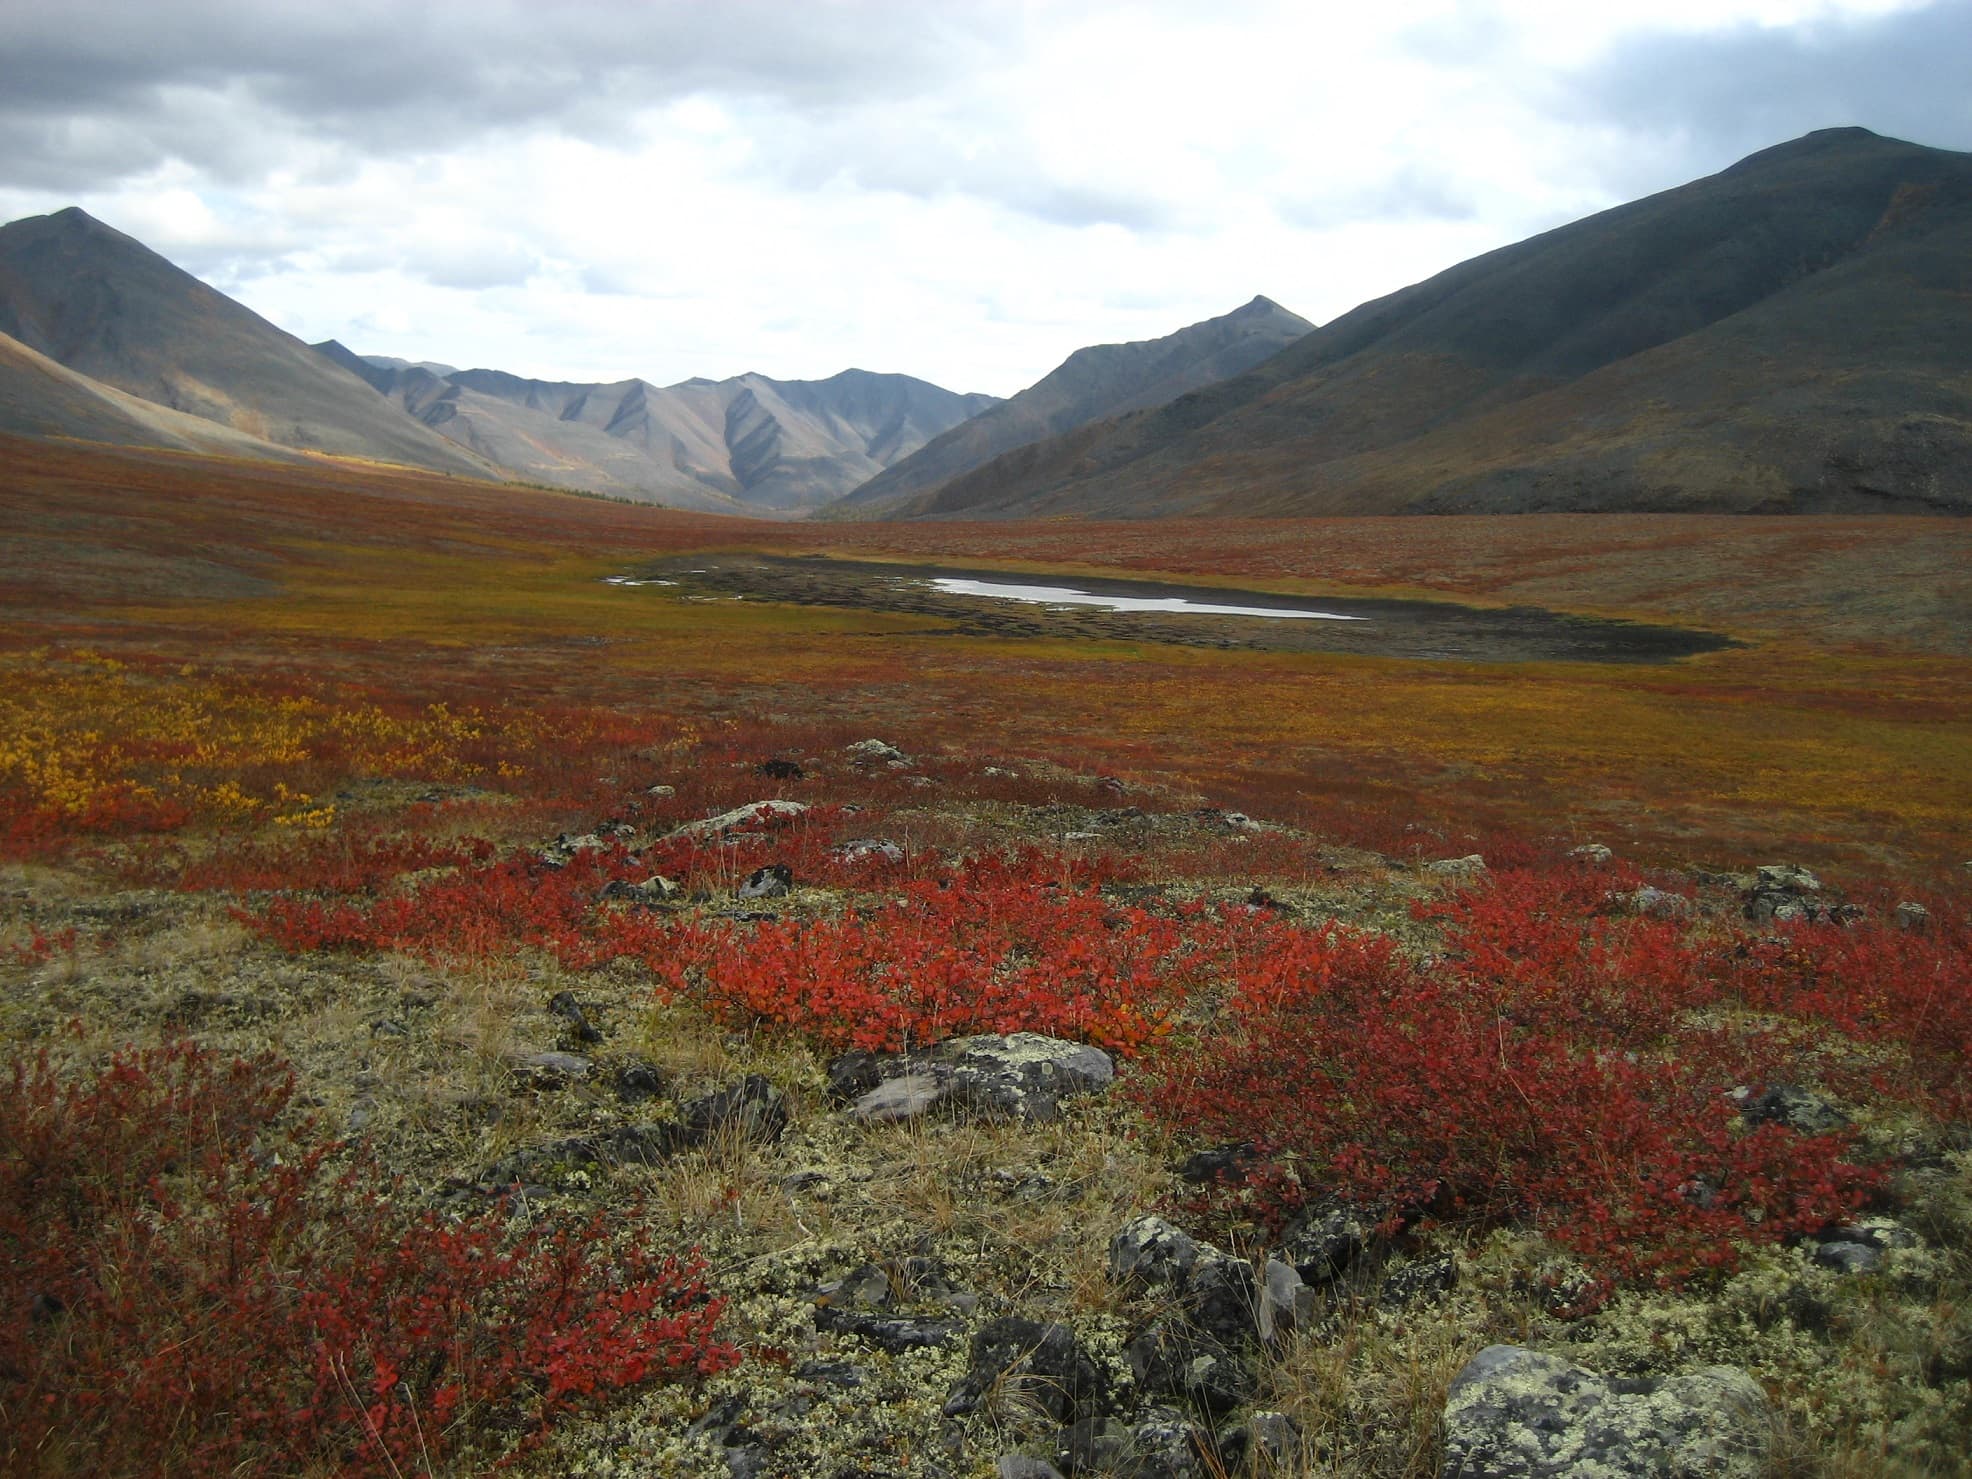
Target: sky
962	190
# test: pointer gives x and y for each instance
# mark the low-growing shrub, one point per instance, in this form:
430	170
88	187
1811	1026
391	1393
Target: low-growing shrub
190	1288
1546	1069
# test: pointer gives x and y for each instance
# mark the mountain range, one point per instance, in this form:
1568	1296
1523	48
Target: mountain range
1793	333
103	339
748	444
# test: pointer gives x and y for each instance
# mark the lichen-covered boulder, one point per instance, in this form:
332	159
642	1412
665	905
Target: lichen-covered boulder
1024	1075
1514	1413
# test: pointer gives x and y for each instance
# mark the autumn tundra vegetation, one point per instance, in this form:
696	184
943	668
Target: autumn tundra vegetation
427	1052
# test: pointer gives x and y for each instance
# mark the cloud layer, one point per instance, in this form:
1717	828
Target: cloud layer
965	192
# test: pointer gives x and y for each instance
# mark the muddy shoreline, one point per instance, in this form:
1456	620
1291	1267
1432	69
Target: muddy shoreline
1429	630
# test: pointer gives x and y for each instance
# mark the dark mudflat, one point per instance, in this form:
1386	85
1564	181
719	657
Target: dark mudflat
1413	629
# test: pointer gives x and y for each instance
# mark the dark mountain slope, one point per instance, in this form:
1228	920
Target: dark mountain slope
1795	332
1100	381
107	307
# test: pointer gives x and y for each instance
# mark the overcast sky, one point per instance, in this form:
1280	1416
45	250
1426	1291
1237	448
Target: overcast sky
958	189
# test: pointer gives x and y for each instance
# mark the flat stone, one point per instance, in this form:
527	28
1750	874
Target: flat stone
741	816
1466	867
901	1098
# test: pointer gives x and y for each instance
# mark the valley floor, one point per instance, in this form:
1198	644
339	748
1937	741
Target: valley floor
372	779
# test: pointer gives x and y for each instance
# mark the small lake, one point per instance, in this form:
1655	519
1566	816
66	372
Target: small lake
1123	608
1061	595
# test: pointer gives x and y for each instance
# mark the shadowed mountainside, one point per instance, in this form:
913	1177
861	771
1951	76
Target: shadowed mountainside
744	445
105	306
1792	334
1100	381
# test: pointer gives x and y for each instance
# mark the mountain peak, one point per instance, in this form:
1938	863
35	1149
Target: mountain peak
1821	142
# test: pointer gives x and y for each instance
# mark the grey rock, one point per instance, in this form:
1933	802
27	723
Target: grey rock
1165	1446
564	1005
1595	854
1020	1466
1652	903
878	750
1427	1279
637	1081
1172	1358
1469	866
1034	1365
1024	1075
656	889
1877	1232
660	790
740	816
1913	917
1270	1444
1322	1242
862	849
562	851
856	1072
1514	1413
893	1333
1849	1258
1799	1109
1152	1252
1224	1299
1788	878
865	1288
752	1109
775	881
1283	1299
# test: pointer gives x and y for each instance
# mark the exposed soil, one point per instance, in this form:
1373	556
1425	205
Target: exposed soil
1440	631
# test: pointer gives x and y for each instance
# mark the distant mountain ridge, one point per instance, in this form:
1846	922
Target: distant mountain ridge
106	307
1100	381
750	444
1793	333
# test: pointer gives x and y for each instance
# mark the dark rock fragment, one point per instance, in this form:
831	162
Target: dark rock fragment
1039	1365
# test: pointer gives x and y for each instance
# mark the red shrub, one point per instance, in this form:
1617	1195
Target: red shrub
188	1290
1541	1071
994	950
1907	993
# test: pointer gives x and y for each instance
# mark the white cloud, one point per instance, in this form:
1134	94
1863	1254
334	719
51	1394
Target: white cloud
966	192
